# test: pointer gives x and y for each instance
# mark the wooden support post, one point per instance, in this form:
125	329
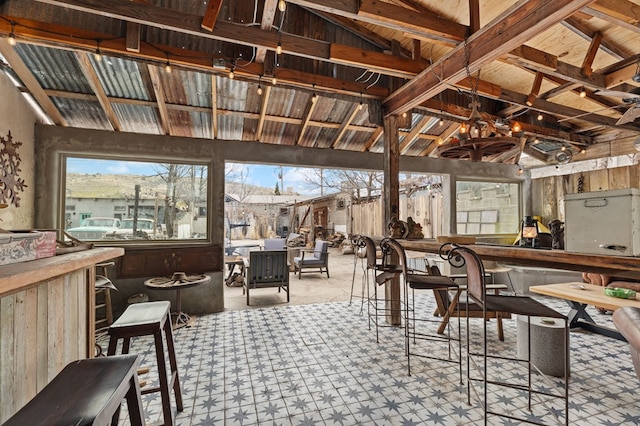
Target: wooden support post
391	191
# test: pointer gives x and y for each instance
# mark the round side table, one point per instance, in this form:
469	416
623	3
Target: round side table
178	281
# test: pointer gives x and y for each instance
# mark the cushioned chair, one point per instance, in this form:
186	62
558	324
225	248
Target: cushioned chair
267	268
627	321
275	244
316	259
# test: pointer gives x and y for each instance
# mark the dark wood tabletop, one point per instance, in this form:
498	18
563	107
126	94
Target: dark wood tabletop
618	266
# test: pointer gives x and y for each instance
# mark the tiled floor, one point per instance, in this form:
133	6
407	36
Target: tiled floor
319	365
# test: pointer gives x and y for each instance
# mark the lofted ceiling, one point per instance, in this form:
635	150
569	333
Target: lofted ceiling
165	67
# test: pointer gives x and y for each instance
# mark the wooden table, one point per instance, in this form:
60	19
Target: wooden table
178	281
231	262
619	266
579	296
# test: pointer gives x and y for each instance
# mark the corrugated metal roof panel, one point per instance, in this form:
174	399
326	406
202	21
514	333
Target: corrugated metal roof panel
201	125
232	94
197	87
230	127
120	78
81	113
54	69
145	121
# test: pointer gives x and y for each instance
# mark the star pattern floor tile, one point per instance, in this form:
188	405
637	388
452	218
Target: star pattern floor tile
320	365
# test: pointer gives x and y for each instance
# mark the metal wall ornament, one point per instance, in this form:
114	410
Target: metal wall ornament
10	182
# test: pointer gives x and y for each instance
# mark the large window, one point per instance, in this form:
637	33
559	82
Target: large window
115	200
487	208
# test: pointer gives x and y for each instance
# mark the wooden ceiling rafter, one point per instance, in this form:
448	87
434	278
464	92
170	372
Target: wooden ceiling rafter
266	93
230	32
411	137
582	29
344	126
622	13
214	107
266	24
92	78
375	137
154	75
590	56
31	83
511	29
430	149
211	14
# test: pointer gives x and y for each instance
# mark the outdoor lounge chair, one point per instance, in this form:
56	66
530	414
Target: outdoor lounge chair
317	258
268	268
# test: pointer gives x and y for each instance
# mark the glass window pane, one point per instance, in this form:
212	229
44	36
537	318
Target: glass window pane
487	208
115	200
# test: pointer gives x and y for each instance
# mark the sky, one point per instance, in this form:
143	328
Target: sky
261	175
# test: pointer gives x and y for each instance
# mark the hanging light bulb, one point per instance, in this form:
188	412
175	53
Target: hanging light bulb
564	148
520	171
259	90
167	67
98	55
314	97
274	80
279	48
463	128
282	5
441	122
540	117
360	106
232	74
12	36
516	127
583	92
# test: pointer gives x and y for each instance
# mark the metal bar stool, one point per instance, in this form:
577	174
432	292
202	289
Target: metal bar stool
145	319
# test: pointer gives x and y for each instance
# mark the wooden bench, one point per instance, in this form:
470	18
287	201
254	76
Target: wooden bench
86	392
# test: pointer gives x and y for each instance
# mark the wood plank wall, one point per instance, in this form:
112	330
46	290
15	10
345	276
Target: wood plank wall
548	193
42	329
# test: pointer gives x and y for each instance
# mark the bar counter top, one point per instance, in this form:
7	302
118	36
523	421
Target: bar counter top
618	266
20	276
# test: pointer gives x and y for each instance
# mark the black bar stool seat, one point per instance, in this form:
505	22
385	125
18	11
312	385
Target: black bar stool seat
149	319
86	392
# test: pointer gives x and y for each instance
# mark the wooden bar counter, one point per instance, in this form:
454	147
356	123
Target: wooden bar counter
619	266
47	320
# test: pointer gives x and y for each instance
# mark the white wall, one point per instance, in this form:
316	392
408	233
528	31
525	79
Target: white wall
17	117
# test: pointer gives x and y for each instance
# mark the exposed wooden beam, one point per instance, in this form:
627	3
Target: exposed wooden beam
378	62
355	109
306	118
619	12
263	112
419	24
446	134
93	80
582	29
474	16
42	33
154	74
133	37
214	107
173	20
535	89
509	30
408	140
591	54
266	24
31	83
375	137
211	14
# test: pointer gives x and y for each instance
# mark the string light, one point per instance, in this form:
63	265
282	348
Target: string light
274	80
583	92
516	127
441	122
259	86
98	55
361	104
463	128
314	98
232	74
282	5
279	48
520	171
12	36
540	117
167	67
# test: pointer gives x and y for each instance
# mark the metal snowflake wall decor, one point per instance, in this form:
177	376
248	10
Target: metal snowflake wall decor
10	183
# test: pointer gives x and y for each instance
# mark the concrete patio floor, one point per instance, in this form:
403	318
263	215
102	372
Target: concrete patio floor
311	288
